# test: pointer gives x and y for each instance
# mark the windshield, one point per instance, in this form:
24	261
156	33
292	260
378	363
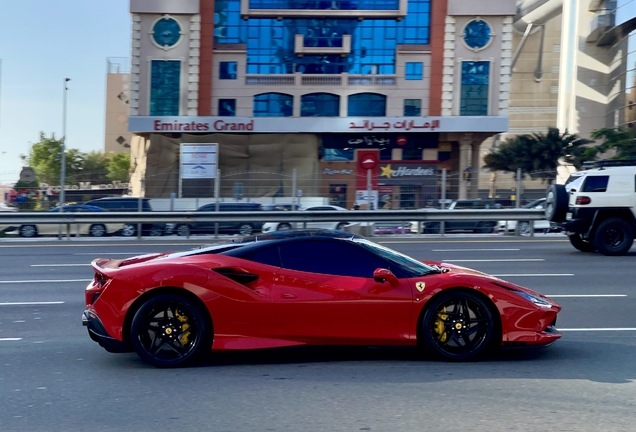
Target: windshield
416	268
214	249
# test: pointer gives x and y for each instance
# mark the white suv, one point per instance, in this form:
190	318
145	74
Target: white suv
596	208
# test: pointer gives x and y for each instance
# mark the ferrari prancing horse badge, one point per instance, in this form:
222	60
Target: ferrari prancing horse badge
420	286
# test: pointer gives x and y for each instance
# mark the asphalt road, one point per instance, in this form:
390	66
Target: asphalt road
54	378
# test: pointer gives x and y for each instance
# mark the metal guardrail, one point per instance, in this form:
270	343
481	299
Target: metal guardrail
274	216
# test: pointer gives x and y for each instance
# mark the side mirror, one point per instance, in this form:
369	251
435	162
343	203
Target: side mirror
381	275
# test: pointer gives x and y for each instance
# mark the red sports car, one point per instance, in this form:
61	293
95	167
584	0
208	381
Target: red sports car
306	288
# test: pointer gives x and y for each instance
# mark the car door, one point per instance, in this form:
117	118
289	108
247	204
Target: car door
325	293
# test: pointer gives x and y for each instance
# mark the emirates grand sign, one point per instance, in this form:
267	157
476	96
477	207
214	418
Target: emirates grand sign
184	124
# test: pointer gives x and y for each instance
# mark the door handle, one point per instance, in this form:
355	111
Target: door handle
288	296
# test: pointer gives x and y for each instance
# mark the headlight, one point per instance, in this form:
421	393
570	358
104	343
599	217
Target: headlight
534	299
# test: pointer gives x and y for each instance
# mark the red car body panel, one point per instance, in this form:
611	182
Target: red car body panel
285	307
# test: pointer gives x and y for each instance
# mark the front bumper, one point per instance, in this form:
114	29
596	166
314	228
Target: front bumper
98	333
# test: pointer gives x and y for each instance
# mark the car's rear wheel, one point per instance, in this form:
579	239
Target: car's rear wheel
156	231
128	230
580	244
28	231
283	227
614	236
182	230
524	227
97	230
245	229
458	326
556	203
170	331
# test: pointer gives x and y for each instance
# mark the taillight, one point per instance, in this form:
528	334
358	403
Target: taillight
583	200
94	290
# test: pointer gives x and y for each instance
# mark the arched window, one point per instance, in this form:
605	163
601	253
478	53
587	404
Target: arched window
366	105
320	105
273	105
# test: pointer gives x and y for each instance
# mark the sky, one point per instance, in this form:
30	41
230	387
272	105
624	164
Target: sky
44	42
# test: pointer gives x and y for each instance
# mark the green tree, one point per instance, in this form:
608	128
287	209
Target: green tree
119	167
46	159
94	167
538	155
622	141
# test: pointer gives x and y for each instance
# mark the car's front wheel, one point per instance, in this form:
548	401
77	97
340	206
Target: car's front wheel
97	230
614	236
458	326
128	230
581	244
28	231
283	227
245	229
170	331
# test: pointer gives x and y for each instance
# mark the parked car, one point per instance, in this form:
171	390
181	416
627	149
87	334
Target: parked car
7	209
524	226
433	227
234	227
130	204
284	226
97	229
281	207
330	288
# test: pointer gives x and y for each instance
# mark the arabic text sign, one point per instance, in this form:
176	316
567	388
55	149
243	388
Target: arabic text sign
198	161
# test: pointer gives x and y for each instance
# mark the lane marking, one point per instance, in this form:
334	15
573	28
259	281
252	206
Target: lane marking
59	265
9	339
498	260
598	329
585	295
45	281
533	274
474	250
31	303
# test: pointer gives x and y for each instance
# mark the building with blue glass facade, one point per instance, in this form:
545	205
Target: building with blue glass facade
419	83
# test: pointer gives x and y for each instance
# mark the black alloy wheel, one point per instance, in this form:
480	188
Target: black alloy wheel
245	229
156	230
458	326
556	203
28	231
182	230
97	230
170	331
614	236
283	227
580	243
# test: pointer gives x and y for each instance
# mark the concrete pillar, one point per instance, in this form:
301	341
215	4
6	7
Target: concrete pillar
465	148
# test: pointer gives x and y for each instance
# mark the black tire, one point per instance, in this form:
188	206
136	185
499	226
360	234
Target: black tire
341	226
245	229
524	227
28	231
459	326
614	236
156	230
182	230
556	203
170	331
97	230
580	244
128	230
431	228
283	227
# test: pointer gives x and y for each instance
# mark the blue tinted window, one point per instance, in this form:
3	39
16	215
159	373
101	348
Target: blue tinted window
273	105
227	70
166	32
320	105
270	43
227	107
477	34
412	107
164	87
413	71
474	93
326	4
366	105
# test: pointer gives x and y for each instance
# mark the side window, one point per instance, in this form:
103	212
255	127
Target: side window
595	184
329	257
269	256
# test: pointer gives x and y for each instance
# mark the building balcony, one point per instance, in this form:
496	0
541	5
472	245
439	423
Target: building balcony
603	21
305	80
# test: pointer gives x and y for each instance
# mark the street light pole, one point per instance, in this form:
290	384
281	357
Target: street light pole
63	147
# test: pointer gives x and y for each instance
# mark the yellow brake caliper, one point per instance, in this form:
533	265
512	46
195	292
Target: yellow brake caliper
184	319
439	326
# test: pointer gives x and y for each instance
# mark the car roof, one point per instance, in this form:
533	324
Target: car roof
280	235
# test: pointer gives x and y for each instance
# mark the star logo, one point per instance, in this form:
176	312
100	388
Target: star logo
387	171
